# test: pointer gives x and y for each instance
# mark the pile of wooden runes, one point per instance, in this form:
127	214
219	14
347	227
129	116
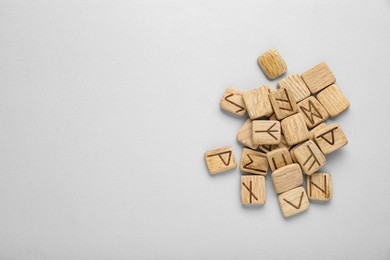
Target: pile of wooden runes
286	132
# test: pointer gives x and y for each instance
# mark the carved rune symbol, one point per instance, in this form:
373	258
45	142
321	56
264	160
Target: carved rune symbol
287	100
249	189
226	161
240	108
331	132
292	205
274	163
323	190
269	131
313	112
311	156
246	166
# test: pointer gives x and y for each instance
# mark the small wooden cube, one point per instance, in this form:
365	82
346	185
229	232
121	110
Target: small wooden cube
278	158
330	138
244	135
254	162
253	189
283	103
293	202
272	64
310	157
294	129
257	102
313	112
287	177
315	129
318	77
333	100
220	160
319	186
266	132
233	102
296	85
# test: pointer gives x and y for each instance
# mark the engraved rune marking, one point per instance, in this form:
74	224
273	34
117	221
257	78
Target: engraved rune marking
313	112
225	162
323	190
311	156
300	202
246	166
250	191
269	131
331	131
284	159
287	100
234	104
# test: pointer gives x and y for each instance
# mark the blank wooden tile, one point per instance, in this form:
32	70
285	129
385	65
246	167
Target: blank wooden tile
253	189
244	135
294	129
319	186
313	112
310	157
333	100
257	102
233	102
330	138
296	85
272	64
283	103
287	177
253	162
318	77
279	158
266	132
220	159
293	202
315	129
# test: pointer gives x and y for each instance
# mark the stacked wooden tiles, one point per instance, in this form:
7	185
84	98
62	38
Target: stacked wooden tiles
286	133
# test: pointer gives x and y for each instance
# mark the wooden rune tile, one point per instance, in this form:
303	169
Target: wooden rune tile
254	162
296	85
310	157
283	103
313	112
257	102
233	102
293	202
253	189
318	77
287	177
333	100
278	158
330	138
266	132
220	159
319	186
244	135
294	129
272	64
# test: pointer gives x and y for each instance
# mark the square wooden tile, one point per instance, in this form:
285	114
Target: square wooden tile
279	158
296	85
220	159
318	77
294	129
257	102
293	202
272	64
319	186
333	100
287	177
253	162
310	157
253	189
313	112
283	103
266	132
244	135
233	102
330	138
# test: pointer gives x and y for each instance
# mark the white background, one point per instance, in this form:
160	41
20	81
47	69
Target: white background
106	109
